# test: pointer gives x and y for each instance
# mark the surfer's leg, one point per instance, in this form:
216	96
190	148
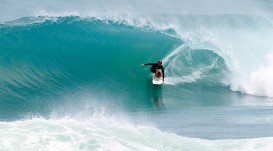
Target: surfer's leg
157	72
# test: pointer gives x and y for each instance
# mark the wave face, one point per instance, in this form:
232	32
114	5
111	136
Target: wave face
59	57
47	59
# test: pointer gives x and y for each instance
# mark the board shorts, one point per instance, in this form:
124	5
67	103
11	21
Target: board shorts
152	70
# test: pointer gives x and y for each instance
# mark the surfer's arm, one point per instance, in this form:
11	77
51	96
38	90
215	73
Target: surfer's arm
147	64
163	72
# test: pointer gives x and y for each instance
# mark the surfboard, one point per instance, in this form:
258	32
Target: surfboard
157	80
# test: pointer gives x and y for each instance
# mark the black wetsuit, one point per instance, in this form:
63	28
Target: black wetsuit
155	66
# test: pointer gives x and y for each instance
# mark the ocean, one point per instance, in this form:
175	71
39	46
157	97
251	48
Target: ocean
70	75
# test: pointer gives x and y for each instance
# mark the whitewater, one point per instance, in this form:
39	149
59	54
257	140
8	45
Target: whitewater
70	76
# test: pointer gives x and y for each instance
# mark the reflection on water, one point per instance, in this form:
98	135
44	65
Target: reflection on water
156	97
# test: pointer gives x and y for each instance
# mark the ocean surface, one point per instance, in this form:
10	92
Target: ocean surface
70	76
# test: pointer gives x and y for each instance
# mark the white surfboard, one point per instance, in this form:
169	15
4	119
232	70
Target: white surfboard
158	80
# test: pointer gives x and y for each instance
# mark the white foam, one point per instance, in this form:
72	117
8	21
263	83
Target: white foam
260	82
184	79
109	134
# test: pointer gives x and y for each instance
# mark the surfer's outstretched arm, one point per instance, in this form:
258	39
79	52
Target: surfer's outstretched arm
147	64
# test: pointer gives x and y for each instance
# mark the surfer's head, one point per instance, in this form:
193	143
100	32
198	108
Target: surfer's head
159	63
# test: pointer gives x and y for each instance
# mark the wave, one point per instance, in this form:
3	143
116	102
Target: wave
42	62
44	59
109	134
199	66
68	60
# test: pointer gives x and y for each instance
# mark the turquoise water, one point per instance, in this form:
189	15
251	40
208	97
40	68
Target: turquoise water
75	83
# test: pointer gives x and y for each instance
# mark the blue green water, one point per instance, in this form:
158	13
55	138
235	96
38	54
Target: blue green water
76	83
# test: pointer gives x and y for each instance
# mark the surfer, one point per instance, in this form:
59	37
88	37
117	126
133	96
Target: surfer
155	68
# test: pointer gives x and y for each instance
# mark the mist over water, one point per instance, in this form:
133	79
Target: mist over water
14	9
